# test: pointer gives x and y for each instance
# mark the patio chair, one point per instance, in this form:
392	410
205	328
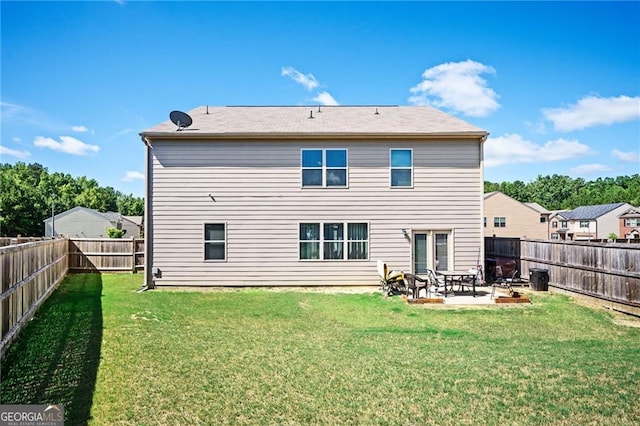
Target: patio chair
504	282
435	283
415	283
468	281
391	281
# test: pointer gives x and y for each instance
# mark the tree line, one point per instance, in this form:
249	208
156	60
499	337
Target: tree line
558	192
28	191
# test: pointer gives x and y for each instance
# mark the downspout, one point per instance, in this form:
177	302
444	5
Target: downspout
481	254
148	216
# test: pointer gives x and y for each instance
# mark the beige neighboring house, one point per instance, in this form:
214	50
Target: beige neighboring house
82	222
505	216
300	195
588	222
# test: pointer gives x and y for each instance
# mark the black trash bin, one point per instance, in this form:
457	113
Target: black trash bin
539	279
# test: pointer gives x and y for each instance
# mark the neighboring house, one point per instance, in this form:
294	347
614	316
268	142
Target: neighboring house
505	216
82	222
588	222
250	196
630	224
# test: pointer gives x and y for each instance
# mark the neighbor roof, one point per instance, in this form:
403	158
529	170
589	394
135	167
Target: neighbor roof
633	212
538	208
590	212
265	121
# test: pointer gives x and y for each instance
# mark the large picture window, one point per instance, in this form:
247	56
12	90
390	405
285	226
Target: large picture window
326	241
215	241
401	167
324	167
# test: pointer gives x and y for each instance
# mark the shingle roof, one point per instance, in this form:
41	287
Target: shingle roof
537	207
327	120
590	212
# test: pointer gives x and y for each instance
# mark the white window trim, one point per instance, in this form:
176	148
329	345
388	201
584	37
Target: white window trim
345	241
400	168
204	243
324	169
497	223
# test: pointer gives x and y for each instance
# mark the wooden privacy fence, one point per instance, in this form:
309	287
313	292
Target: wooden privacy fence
608	271
106	255
29	272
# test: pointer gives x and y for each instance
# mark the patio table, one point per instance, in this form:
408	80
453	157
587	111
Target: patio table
461	276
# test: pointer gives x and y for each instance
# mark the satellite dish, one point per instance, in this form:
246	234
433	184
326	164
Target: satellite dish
180	119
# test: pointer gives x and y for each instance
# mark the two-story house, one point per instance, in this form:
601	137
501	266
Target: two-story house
630	224
587	222
505	216
250	196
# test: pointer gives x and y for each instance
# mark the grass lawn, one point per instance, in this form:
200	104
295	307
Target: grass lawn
113	356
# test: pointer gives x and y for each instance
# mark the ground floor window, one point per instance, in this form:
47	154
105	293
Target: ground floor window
327	241
215	241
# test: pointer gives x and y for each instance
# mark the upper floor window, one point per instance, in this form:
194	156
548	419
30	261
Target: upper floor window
564	223
554	224
401	167
215	241
543	219
631	222
584	224
499	222
324	167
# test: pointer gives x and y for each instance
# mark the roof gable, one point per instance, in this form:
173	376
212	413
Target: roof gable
110	217
633	212
265	121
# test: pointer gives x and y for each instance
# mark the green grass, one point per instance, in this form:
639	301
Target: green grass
113	356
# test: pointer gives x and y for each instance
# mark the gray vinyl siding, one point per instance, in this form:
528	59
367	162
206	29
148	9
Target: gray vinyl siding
258	193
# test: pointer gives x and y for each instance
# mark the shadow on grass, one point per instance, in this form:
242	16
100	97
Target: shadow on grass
56	357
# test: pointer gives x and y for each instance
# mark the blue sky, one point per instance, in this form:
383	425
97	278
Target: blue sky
557	84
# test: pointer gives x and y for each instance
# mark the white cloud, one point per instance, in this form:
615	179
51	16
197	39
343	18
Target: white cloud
69	145
14	152
17	140
590	169
79	129
308	81
457	86
512	149
593	111
325	98
131	176
627	157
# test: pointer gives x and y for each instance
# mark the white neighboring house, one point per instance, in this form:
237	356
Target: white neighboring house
588	222
82	222
264	196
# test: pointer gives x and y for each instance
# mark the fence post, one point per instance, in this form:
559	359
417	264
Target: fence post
133	255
